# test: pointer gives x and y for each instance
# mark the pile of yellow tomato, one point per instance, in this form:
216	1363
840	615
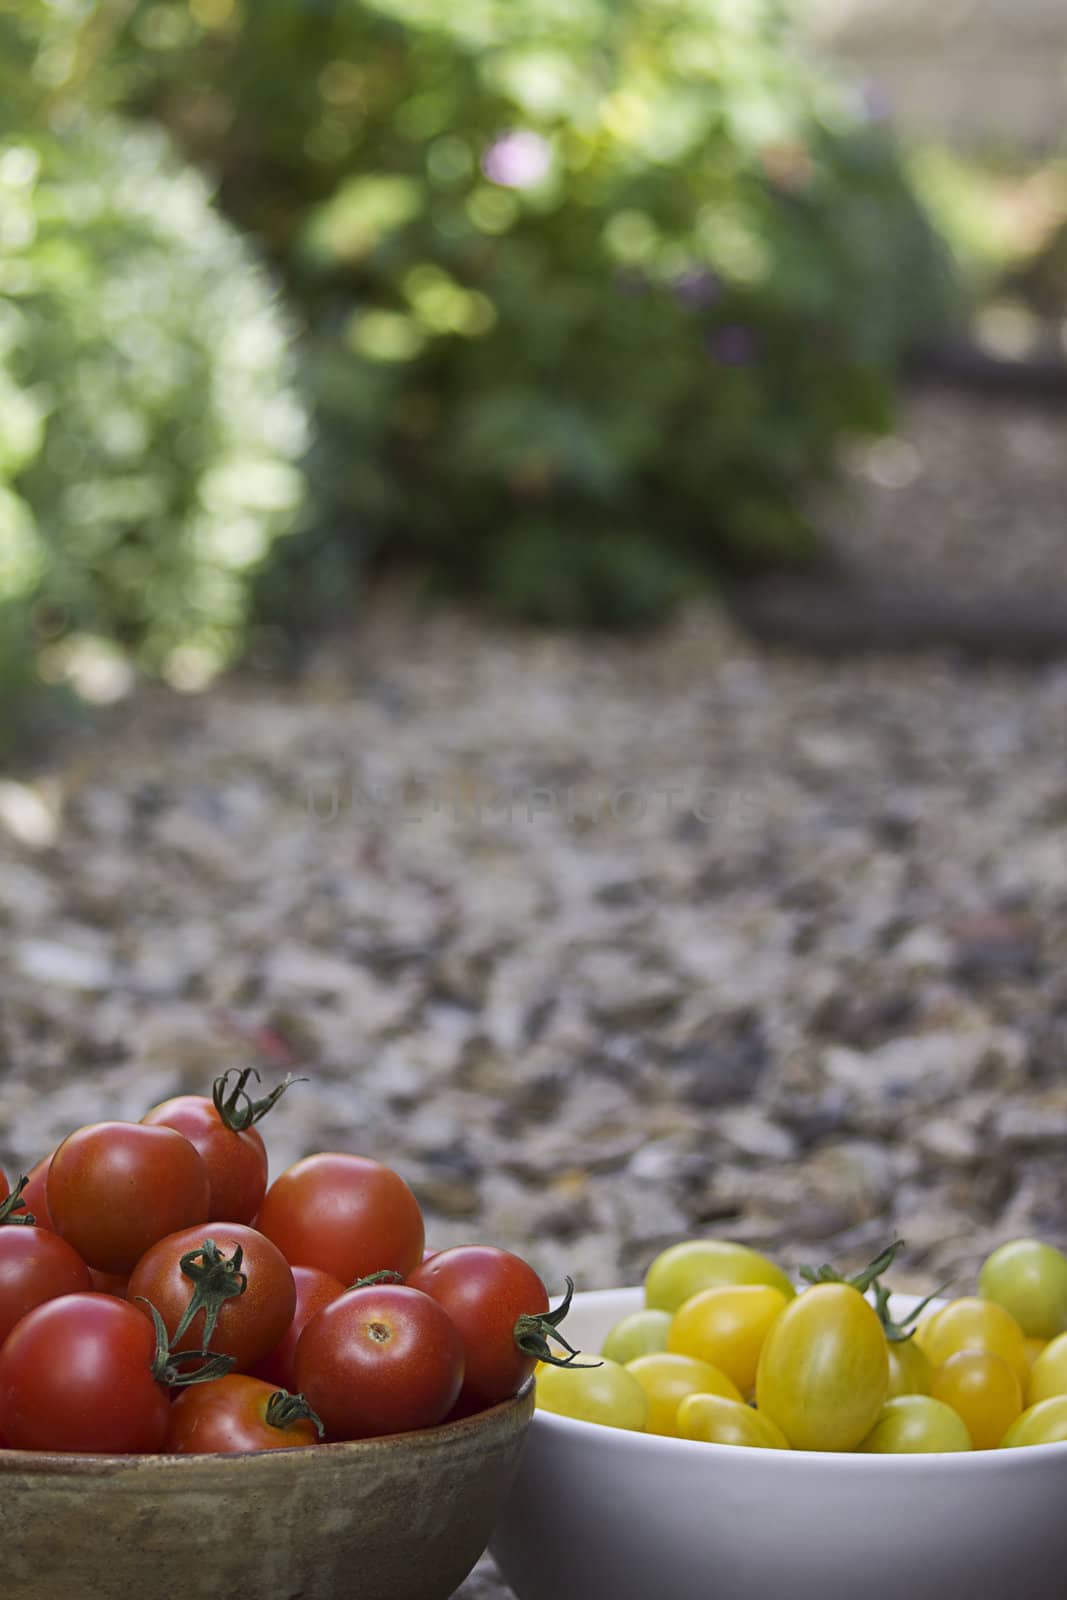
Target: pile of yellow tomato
726	1350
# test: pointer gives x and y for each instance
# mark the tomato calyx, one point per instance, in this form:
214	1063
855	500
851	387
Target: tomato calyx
386	1275
13	1210
165	1363
215	1278
532	1334
862	1281
283	1409
235	1106
900	1332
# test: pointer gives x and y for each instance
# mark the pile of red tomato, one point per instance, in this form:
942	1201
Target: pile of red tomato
157	1296
726	1351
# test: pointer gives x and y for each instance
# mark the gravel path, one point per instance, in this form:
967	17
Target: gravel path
602	942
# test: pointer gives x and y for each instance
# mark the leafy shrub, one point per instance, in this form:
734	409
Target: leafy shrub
150	428
593	286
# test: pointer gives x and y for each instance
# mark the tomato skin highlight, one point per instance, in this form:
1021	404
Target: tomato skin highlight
823	1372
115	1188
229	1416
35	1266
347	1215
251	1324
485	1291
380	1360
236	1162
314	1289
76	1375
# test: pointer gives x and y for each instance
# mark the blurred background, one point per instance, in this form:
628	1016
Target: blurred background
531	586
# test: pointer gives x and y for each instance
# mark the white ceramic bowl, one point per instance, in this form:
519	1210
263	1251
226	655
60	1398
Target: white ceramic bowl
601	1514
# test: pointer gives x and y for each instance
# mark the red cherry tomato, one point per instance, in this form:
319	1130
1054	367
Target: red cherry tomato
5	1188
35	1193
249	1324
223	1131
347	1215
486	1292
314	1289
380	1360
113	1283
233	1414
76	1374
116	1188
35	1266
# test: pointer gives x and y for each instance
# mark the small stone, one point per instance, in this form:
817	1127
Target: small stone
997	945
67	966
1030	1126
753	1134
949	1142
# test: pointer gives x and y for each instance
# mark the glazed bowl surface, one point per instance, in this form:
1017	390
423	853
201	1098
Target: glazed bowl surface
601	1514
401	1518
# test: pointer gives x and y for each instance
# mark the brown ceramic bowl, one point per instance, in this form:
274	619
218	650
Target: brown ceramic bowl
402	1518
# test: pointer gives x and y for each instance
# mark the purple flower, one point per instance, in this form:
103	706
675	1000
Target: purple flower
697	288
517	160
732	345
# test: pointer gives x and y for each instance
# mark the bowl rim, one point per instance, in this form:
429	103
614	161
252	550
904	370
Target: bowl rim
74	1462
664	1446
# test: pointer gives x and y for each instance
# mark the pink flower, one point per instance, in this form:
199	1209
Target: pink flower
517	160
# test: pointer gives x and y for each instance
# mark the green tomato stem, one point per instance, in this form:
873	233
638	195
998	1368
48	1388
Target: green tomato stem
532	1334
215	1280
283	1409
862	1280
236	1107
15	1204
165	1363
386	1275
900	1332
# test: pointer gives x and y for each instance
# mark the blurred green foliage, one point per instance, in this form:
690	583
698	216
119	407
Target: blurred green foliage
150	431
588	291
592	287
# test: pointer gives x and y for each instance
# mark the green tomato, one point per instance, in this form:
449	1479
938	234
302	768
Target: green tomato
909	1368
1029	1279
1045	1423
642	1333
916	1423
684	1270
824	1369
607	1394
713	1419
